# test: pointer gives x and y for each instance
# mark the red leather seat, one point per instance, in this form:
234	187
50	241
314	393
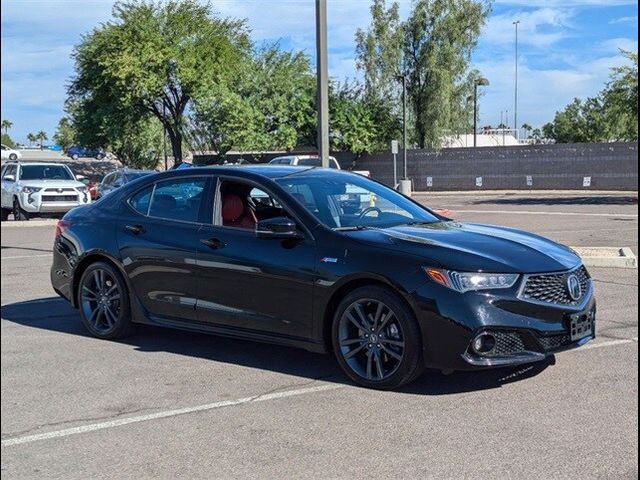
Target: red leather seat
236	214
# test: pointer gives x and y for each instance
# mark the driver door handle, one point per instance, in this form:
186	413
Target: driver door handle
213	243
135	229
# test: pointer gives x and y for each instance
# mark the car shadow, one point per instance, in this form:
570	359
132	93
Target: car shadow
56	314
568	200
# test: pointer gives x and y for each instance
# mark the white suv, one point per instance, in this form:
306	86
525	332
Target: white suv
36	188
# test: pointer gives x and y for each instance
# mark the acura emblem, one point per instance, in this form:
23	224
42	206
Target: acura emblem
573	287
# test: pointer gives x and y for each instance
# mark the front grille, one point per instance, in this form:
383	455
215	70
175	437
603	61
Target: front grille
59	198
552	287
507	343
60	190
554	342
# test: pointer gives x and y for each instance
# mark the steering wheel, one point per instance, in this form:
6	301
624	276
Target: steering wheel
368	210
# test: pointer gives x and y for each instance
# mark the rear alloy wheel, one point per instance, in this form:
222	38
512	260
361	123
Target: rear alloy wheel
104	302
376	339
18	212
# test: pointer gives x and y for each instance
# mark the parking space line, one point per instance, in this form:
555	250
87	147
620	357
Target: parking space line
227	403
530	212
167	414
25	256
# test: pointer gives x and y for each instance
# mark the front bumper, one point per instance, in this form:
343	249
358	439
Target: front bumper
52	203
525	332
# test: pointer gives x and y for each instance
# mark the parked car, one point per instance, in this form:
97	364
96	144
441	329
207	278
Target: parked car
118	178
310	161
76	152
269	254
37	189
9	153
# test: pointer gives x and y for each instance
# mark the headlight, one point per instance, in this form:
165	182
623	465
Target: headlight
471	281
31	189
81	189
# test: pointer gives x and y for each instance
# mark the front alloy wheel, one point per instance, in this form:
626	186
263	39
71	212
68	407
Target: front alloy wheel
103	300
376	339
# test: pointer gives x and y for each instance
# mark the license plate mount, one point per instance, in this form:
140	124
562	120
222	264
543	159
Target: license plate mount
581	325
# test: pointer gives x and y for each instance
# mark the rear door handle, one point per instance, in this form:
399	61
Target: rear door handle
213	243
135	229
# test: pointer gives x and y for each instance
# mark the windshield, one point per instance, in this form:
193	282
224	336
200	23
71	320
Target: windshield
351	202
45	172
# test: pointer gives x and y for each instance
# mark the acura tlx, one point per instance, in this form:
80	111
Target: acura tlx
325	260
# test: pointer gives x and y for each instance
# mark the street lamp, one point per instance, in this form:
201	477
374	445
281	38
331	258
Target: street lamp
403	79
479	82
515	115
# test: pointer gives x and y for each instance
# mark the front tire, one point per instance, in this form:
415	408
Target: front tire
103	299
18	212
376	339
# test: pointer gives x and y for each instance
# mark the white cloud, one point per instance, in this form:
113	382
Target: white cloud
614	45
631	19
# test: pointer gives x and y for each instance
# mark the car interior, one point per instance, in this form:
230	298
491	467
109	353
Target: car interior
243	205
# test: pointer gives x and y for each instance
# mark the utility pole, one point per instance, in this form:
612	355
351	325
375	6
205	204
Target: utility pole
322	76
164	137
405	175
515	115
478	82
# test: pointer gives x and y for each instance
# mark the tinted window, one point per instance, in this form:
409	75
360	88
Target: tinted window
178	199
10	170
309	162
39	172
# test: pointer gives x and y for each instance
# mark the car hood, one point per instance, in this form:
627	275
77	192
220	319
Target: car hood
473	247
53	183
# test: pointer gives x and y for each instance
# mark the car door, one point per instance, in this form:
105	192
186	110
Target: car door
158	241
264	285
7	185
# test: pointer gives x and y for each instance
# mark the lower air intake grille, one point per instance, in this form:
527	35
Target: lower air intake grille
507	343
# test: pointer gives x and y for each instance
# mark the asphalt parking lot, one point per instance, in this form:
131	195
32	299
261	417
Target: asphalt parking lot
168	404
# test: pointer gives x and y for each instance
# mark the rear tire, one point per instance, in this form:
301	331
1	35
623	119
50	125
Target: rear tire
103	300
5	214
376	339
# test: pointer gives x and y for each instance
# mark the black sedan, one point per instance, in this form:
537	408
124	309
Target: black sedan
323	260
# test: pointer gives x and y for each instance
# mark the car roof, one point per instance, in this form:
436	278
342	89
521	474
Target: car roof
262	170
38	163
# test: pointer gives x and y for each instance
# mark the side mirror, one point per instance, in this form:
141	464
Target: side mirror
9	178
278	227
80	178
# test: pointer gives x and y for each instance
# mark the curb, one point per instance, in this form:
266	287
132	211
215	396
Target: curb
608	257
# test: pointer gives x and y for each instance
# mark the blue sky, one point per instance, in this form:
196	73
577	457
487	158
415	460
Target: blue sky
566	49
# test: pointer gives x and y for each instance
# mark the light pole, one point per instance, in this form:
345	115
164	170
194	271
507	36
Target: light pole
403	79
478	82
515	114
322	75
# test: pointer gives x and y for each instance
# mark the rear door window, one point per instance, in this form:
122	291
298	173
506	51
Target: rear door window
178	199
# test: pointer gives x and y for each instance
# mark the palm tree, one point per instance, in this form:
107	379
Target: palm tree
6	125
42	136
527	128
32	138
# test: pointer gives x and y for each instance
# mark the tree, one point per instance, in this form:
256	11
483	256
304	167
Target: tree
42	137
6	125
612	115
65	135
31	137
152	58
269	106
527	128
433	50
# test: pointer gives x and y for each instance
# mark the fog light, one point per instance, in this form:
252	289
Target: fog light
483	343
